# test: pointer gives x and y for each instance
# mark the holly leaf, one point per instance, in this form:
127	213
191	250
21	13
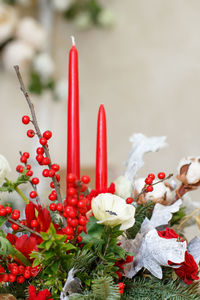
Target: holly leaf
94	231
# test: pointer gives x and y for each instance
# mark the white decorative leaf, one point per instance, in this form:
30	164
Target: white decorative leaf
150	250
194	249
141	145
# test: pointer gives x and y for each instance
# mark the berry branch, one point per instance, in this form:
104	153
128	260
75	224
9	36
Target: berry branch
144	190
24	226
37	129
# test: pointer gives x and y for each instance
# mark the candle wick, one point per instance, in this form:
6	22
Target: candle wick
73	40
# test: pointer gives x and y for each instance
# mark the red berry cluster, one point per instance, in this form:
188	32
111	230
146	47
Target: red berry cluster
17	273
76	206
149	181
121	286
15	214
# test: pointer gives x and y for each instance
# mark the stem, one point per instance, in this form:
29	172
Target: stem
107	244
188	217
37	129
24	227
22	195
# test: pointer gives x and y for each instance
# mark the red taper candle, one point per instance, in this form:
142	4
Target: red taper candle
73	142
101	151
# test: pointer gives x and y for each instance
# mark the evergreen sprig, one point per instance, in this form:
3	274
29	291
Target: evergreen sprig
152	288
142	211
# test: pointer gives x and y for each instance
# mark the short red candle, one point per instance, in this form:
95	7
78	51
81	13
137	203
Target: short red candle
73	142
101	151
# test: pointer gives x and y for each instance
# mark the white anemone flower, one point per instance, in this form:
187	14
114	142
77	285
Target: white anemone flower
112	210
4	168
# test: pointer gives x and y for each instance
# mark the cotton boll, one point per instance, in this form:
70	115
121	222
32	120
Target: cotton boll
44	66
61	89
30	31
8	21
4	168
83	21
123	187
106	18
193	172
17	53
61	5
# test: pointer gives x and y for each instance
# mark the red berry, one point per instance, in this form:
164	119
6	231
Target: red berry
83	188
79	239
20	279
14	270
15	214
58	177
161	175
26	154
52	206
11	265
72	201
40	150
19	168
71	191
72	213
151	175
121	285
149	188
30	133
71	178
8	209
51	173
15	226
85	179
73	222
47	134
55	167
28	167
11	278
52	185
82	221
33	194
21	269
121	291
3	212
39	158
148	180
22	222
59	207
23	159
27	274
5	277
35	180
69	230
81	203
25	120
1	206
45	173
45	161
34	223
29	173
43	141
129	200
52	197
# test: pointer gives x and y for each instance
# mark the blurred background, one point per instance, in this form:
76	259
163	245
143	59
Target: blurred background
141	59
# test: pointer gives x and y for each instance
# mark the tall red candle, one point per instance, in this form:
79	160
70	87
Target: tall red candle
101	151
73	142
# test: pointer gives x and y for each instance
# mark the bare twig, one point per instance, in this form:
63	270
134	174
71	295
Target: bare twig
187	218
24	227
37	129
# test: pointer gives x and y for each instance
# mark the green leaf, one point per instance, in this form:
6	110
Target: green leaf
94	231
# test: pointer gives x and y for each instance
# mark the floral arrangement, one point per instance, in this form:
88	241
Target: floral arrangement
120	242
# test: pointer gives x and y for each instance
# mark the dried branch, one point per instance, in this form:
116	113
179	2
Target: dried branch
37	129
